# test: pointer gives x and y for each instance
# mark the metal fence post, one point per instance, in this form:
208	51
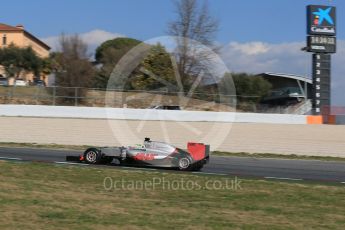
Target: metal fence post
54	95
76	96
124	99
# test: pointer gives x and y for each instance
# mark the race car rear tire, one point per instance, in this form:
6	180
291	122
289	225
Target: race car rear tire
184	163
92	156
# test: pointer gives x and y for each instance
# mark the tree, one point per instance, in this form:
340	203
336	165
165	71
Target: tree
73	67
193	28
155	72
249	88
121	45
108	54
16	61
153	69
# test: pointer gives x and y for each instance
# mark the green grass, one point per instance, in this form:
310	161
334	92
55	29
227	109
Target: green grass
215	153
47	196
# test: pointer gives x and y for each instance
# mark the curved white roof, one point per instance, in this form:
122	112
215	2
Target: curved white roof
290	76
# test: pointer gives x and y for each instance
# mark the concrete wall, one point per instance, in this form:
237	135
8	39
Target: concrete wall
87	126
145	114
320	140
340	120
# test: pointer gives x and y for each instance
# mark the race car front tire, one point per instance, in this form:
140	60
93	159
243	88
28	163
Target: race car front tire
92	156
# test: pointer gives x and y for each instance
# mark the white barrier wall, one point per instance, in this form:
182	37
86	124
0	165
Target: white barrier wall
232	132
146	114
317	140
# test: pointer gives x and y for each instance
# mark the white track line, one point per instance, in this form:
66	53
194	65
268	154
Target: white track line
205	173
282	178
11	158
69	163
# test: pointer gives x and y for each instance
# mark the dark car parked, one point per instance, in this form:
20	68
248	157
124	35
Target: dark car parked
166	107
3	81
39	83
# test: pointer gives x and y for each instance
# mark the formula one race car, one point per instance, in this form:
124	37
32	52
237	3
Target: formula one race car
151	153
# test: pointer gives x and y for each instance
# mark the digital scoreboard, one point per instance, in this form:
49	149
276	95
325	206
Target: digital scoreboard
321	41
321	44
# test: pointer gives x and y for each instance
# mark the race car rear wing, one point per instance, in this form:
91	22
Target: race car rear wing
198	151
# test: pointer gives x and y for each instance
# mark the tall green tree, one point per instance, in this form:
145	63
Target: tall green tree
17	61
120	45
108	55
249	87
155	72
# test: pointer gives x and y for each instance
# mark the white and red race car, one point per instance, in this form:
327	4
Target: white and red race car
152	154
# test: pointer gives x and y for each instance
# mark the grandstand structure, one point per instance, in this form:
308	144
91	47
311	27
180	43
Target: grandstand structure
290	94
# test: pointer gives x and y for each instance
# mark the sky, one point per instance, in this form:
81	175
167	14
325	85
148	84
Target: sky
256	35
